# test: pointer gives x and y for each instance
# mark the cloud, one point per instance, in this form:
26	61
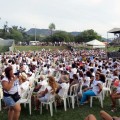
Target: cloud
70	15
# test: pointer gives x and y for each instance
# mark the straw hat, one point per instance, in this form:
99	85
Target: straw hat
23	75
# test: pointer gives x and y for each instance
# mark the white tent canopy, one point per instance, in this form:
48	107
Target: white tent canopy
96	44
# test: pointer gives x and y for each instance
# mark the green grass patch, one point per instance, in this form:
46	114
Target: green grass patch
4	49
109	49
79	113
38	48
113	48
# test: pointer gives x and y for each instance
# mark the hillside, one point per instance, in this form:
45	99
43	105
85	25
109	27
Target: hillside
45	32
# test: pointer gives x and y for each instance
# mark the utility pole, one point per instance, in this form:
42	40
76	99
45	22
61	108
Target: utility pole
35	33
0	18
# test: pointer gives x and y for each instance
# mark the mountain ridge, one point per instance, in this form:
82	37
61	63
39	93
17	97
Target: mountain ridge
46	32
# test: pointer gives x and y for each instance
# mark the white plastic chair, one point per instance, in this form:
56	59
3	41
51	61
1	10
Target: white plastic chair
27	100
64	97
49	102
74	94
106	87
100	97
80	88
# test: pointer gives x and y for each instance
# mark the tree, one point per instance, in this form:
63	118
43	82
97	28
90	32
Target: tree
52	27
60	36
5	30
87	35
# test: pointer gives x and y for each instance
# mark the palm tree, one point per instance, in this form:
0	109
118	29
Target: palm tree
51	28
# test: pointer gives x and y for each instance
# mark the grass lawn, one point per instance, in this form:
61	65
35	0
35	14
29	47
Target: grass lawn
109	49
113	48
78	113
4	48
36	48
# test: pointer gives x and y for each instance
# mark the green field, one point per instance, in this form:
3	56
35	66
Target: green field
112	48
37	48
109	49
78	113
4	48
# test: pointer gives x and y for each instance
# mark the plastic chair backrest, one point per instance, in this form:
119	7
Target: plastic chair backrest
74	89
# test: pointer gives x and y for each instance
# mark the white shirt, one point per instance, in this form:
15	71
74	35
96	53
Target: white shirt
74	70
14	67
34	63
15	88
28	60
49	94
95	88
118	89
24	89
44	84
64	86
87	82
25	85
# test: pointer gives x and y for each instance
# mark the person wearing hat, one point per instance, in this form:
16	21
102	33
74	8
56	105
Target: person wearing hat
30	78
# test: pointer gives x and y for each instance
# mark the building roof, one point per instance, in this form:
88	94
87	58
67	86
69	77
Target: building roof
116	41
114	30
8	42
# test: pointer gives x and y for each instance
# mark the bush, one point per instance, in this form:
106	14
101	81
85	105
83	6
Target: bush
4	49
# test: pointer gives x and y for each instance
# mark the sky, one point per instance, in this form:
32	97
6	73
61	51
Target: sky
68	15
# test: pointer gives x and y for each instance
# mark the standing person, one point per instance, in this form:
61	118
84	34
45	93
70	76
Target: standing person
11	94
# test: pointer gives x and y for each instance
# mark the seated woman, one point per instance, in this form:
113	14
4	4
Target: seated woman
80	76
86	81
63	90
41	84
115	76
64	76
49	92
114	96
95	90
115	81
24	86
75	80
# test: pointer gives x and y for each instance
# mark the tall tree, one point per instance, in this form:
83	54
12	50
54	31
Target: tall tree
51	28
5	30
87	35
60	36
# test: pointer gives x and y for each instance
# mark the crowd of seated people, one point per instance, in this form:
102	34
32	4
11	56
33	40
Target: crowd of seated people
59	70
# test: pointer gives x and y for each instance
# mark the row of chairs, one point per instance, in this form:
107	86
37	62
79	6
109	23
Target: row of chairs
72	95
